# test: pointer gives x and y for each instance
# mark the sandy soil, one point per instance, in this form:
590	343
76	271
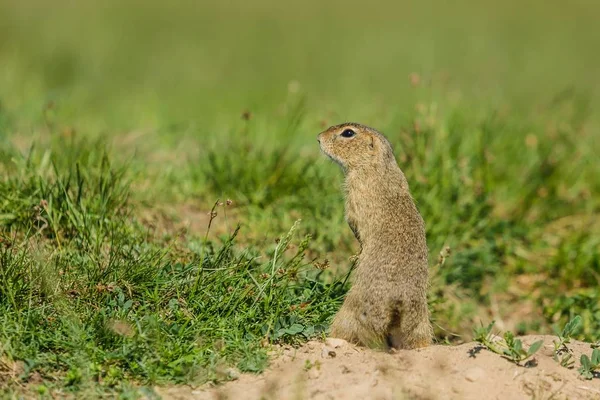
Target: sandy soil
337	370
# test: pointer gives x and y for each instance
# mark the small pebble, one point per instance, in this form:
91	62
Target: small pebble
327	352
474	374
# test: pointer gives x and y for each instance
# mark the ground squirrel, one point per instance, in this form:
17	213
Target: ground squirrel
386	306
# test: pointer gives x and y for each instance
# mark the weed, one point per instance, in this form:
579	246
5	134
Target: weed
562	353
589	366
509	348
308	365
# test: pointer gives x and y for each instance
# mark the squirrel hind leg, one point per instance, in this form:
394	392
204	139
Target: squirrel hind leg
357	328
421	336
374	322
411	329
345	326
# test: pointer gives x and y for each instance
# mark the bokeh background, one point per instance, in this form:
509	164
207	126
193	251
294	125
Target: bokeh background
152	63
492	108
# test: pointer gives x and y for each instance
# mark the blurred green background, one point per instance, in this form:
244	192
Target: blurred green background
149	63
492	108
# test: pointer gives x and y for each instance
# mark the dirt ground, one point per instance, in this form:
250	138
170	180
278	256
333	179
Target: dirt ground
338	370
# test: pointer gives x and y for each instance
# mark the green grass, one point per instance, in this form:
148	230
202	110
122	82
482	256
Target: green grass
89	295
120	133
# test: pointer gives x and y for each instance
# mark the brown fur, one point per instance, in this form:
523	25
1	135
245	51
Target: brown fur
387	304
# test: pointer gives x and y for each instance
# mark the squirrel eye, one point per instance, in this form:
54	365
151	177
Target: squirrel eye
348	133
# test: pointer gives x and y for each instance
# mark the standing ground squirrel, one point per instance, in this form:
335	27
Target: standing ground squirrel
386	306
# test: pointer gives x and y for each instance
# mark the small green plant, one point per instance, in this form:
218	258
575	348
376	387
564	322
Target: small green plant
562	354
308	365
484	336
590	366
509	348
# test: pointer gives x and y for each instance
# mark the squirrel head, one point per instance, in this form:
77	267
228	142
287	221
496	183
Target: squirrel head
355	147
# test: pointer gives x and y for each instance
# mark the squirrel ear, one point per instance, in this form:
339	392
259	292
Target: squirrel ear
372	142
